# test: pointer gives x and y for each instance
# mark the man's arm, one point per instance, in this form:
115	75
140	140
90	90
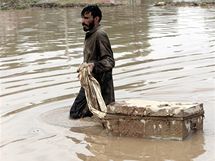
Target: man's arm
106	61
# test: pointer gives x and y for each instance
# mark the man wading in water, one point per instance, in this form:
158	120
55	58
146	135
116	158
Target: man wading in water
99	57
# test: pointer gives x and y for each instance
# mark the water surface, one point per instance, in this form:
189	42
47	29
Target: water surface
165	54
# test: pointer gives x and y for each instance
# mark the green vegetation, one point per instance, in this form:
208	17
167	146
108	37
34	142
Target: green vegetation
21	4
16	4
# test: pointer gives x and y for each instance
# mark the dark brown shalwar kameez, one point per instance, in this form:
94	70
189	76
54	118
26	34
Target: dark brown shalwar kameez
97	50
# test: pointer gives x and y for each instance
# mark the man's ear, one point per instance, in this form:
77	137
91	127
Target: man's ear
96	19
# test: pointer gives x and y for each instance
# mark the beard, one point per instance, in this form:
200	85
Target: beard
88	27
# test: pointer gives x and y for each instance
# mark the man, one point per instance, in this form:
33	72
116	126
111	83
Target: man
99	56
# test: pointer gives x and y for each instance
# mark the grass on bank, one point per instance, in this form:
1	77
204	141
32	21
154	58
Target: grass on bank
22	4
16	4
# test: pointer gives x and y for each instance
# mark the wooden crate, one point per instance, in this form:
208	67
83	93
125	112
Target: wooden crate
152	119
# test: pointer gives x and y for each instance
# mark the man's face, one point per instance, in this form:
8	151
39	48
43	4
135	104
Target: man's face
87	22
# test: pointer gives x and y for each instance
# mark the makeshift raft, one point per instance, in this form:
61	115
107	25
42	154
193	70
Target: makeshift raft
147	119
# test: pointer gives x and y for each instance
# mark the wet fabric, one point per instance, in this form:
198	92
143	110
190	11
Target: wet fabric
97	50
92	90
79	108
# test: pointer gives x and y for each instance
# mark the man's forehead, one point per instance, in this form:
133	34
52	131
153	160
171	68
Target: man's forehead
87	13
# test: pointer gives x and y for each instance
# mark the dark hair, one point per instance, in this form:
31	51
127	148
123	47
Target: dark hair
94	9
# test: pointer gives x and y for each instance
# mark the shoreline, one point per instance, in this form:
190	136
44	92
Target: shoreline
185	4
52	4
7	5
67	5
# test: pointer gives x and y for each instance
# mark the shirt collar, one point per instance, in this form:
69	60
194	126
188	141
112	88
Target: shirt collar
92	31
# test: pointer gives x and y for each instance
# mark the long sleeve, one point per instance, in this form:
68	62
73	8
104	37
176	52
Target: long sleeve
106	60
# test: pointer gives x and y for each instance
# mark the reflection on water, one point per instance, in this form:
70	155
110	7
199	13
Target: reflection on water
147	150
161	54
105	147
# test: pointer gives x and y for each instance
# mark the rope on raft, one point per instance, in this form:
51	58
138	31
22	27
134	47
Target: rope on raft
93	94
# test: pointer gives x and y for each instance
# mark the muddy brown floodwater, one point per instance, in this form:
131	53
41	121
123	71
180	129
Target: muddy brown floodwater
162	53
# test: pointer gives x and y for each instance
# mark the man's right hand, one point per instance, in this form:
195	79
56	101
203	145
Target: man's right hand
90	66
